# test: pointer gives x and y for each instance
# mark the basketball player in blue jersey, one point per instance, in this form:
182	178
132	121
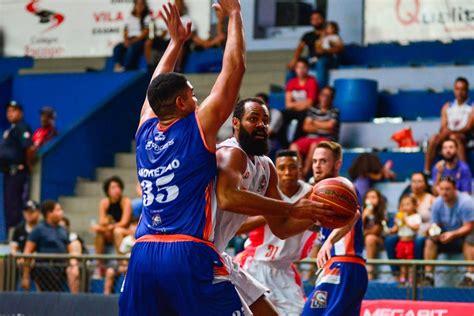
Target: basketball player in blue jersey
342	281
174	267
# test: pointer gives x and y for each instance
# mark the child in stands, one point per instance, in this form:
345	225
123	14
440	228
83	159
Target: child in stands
407	223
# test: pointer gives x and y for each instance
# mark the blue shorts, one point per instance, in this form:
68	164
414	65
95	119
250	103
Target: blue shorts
339	290
177	278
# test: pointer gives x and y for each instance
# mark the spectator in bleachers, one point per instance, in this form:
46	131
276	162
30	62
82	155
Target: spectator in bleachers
328	47
45	133
31	216
309	40
452	228
407	223
124	249
457	122
321	123
196	42
373	215
14	164
115	213
450	165
367	169
48	130
301	93
50	237
77	247
127	54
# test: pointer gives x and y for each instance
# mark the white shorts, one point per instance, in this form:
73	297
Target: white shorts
285	294
246	285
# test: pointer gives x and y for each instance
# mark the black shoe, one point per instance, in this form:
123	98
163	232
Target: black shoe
466	282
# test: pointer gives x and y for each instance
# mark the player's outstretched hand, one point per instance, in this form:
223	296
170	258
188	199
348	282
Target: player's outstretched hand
226	7
315	211
178	32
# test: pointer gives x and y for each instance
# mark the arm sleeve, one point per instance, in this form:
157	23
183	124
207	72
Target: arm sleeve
35	235
465	184
435	214
468	211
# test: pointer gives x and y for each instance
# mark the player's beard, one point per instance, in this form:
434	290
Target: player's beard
252	146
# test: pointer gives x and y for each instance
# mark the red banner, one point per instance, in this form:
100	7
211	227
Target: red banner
415	308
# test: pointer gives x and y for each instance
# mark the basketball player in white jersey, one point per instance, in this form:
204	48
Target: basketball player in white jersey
247	186
270	259
457	120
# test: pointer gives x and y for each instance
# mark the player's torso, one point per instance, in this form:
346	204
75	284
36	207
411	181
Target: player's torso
255	179
176	173
281	252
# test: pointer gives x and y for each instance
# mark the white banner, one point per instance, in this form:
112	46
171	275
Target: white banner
77	28
418	20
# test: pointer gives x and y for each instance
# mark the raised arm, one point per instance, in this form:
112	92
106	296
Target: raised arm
217	107
178	34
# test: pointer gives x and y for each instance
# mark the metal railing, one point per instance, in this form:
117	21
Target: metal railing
11	269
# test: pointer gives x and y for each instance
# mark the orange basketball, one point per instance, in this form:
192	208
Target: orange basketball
340	194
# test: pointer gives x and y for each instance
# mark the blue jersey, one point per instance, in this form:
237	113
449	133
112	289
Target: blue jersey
177	172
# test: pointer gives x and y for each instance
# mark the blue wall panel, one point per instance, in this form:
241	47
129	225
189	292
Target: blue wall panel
72	95
92	141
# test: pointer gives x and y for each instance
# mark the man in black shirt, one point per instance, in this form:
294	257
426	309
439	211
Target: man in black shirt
14	164
31	215
309	39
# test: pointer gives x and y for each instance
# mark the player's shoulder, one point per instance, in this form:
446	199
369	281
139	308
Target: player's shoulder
230	155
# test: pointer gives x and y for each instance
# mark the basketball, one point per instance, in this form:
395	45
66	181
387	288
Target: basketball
340	194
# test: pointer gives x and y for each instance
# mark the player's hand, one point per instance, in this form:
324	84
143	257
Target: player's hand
315	211
324	254
25	283
226	7
440	166
446	237
177	31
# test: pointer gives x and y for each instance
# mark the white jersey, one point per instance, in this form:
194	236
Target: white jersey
282	253
458	115
255	179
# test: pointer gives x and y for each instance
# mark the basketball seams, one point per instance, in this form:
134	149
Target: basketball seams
337	186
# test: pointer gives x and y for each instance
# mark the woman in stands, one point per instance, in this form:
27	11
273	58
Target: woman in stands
115	213
127	54
367	169
373	217
421	190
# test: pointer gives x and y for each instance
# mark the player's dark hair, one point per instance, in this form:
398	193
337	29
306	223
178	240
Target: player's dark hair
109	181
334	147
239	109
464	80
47	207
286	153
164	90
